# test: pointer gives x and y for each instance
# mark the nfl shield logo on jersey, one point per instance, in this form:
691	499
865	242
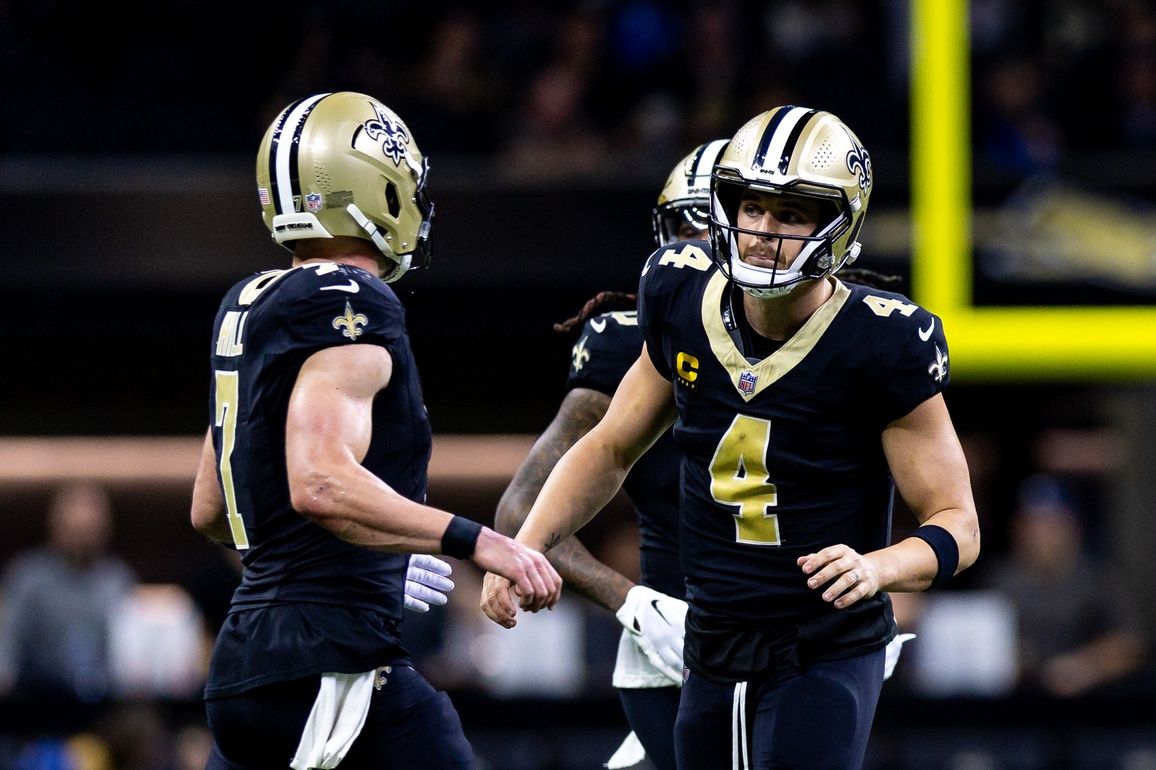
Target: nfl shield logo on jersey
313	202
747	382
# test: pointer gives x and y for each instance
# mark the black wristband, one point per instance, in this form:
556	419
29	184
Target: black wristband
946	551
461	537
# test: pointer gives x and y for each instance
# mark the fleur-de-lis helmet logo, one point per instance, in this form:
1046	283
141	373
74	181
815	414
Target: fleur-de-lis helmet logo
859	164
392	135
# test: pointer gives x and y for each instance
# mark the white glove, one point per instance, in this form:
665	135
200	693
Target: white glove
894	647
658	623
426	582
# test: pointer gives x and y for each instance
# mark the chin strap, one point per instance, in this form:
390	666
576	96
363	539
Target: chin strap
770	291
400	264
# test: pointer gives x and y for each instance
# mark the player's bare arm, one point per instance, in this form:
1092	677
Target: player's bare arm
930	472
590	474
328	430
581	410
208	508
327	434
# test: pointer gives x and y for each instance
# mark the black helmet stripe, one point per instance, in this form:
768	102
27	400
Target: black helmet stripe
283	153
779	136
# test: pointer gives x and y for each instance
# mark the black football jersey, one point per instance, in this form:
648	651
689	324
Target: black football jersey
782	456
609	345
308	601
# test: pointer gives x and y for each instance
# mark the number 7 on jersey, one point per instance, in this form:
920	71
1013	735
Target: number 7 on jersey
227	395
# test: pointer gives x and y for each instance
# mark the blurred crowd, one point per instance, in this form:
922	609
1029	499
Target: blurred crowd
102	670
563	87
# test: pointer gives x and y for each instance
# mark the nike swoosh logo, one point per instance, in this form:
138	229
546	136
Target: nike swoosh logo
925	335
353	288
654	604
598	324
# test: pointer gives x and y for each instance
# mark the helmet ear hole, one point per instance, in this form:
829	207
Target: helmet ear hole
729	195
392	202
828	213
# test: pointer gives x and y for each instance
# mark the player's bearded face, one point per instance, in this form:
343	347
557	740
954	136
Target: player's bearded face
775	215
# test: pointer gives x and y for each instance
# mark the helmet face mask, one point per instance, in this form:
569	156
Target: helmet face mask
673	223
791	151
684	203
344	164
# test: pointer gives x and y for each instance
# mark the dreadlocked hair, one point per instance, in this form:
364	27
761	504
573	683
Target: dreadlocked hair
599	303
869	278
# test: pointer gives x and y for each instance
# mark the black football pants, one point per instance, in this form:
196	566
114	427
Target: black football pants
817	719
410	725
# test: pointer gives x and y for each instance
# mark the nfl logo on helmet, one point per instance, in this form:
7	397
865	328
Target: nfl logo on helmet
747	382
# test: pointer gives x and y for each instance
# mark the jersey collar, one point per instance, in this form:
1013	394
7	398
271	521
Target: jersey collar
751	379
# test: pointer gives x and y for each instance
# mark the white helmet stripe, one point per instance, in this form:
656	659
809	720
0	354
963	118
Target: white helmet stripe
707	158
774	143
284	150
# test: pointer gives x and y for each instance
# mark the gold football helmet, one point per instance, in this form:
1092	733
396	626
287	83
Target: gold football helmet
345	164
792	151
685	198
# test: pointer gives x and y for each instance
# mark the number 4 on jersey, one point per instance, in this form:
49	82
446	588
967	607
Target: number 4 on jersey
688	256
885	306
739	477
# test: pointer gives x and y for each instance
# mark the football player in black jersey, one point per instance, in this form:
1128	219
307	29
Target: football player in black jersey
314	465
648	670
800	403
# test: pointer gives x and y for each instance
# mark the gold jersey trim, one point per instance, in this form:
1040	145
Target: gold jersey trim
772	368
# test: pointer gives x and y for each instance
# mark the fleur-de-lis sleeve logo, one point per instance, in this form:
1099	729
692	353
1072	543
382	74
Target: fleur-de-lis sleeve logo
938	368
579	355
392	135
348	323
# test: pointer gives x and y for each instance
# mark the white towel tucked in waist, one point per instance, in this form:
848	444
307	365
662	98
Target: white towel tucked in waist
336	720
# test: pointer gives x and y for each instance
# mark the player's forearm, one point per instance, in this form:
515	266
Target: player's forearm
215	529
963	524
529	479
930	472
582	572
586	576
581	410
582	483
912	564
207	512
361	509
